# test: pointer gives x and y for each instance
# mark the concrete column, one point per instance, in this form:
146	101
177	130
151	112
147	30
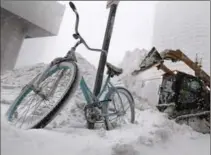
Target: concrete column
12	36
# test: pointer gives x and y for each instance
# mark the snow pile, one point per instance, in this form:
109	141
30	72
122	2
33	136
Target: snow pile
145	85
17	78
153	133
13	80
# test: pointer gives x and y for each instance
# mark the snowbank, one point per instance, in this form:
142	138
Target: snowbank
152	134
144	86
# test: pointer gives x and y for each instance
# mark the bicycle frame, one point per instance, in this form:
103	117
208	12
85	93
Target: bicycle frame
89	96
93	100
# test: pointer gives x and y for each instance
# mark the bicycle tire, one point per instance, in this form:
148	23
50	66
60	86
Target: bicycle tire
131	103
56	109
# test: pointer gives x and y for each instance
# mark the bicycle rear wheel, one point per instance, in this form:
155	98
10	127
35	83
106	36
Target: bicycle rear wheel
31	110
121	109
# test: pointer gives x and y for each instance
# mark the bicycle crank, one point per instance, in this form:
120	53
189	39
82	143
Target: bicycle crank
92	114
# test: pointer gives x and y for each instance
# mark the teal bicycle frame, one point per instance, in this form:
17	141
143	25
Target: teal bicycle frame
92	99
89	96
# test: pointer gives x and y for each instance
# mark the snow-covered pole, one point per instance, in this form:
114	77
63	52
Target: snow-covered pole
103	57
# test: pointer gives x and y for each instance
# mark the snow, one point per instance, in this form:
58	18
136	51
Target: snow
152	133
142	84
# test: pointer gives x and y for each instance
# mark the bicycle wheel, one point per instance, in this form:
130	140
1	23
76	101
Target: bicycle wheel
31	110
121	109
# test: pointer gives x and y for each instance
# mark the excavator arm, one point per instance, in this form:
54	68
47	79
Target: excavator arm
178	55
157	59
165	69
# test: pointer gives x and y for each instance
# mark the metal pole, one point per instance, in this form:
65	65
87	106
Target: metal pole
106	43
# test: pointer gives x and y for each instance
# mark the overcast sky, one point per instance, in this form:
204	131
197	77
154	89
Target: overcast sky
133	29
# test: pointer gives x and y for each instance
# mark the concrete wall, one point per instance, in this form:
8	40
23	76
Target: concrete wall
21	19
184	25
12	35
45	16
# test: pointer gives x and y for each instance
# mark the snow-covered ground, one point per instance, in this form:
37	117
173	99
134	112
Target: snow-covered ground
151	134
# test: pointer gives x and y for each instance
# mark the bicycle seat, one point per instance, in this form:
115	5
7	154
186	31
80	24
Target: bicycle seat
112	70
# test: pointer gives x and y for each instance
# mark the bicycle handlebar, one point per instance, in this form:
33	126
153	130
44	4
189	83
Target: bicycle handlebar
77	16
72	6
77	35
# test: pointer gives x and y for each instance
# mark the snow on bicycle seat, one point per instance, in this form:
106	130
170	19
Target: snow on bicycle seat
113	70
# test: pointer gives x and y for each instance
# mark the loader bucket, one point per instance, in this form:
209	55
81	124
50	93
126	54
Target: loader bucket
152	59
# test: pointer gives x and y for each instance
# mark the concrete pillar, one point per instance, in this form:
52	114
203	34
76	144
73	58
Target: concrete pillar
12	36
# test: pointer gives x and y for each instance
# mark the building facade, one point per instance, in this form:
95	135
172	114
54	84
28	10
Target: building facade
184	25
21	20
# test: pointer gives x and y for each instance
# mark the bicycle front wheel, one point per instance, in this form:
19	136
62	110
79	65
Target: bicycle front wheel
120	110
31	109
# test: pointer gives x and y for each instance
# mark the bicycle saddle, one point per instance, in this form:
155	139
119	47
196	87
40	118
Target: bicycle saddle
112	70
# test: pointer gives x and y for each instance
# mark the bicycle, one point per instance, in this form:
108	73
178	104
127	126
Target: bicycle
44	107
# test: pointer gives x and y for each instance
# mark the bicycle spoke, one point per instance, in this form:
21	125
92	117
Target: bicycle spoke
25	115
127	108
34	110
37	107
121	105
26	111
24	105
21	117
46	82
30	108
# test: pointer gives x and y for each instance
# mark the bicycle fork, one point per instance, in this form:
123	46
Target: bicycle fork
34	84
